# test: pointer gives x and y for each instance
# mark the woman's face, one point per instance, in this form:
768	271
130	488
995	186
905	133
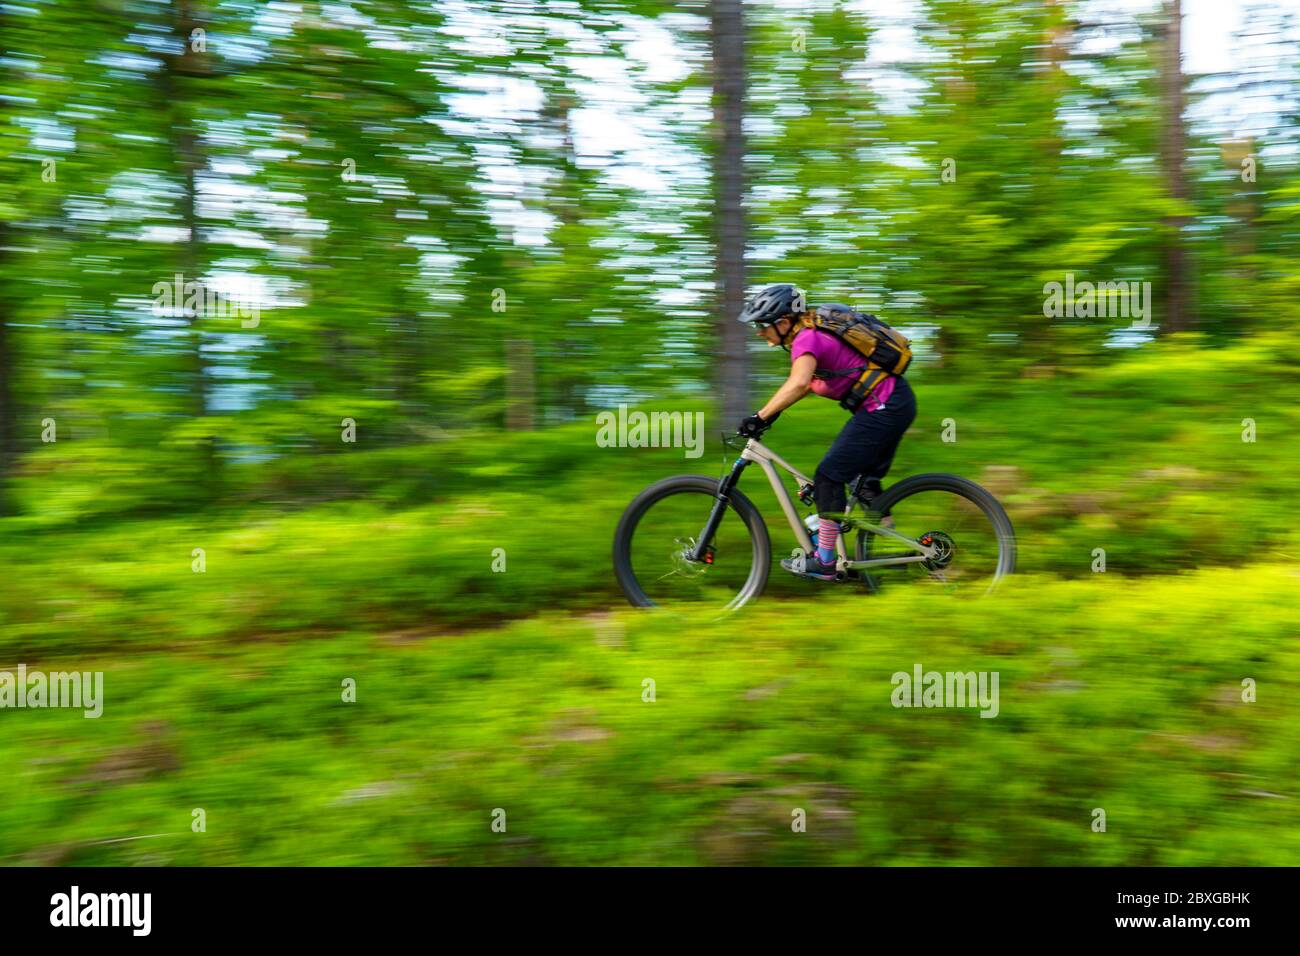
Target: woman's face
775	332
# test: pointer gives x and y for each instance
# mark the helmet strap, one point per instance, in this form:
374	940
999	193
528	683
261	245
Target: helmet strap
788	337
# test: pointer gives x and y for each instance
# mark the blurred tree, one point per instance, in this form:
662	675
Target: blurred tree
8	391
184	61
728	46
512	213
1178	312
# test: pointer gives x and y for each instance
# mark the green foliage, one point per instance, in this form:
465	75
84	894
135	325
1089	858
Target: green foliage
445	255
1114	693
1144	459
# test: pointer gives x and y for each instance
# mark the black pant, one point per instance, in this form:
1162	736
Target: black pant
865	446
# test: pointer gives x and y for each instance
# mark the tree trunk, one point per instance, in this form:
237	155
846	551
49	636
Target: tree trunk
187	159
8	398
521	386
1179	309
728	40
1242	207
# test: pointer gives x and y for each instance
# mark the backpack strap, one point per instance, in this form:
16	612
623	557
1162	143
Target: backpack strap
825	373
808	321
828	319
858	392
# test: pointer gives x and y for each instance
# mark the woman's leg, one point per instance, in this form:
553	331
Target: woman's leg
903	403
866	445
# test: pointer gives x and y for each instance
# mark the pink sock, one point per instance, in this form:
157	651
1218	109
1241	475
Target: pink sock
827	531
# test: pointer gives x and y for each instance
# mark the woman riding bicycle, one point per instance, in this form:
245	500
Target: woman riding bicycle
824	365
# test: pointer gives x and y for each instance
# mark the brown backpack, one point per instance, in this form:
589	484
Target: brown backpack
884	350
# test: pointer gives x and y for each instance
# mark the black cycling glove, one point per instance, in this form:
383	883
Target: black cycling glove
755	425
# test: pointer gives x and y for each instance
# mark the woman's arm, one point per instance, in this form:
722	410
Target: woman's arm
796	387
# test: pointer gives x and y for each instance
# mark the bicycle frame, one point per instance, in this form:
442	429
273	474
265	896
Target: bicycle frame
768	460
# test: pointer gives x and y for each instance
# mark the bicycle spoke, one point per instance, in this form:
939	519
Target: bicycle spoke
969	553
665	535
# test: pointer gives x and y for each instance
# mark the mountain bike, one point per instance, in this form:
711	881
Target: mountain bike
695	539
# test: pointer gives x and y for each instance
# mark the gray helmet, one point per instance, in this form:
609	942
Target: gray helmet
774	303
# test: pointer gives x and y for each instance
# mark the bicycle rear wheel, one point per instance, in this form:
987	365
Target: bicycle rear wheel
968	528
661	526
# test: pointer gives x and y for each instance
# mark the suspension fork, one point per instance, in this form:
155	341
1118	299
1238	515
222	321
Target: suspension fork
723	497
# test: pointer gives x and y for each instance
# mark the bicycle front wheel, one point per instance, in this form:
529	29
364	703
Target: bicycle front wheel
970	533
660	528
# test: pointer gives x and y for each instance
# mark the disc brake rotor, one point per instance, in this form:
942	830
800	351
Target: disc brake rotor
680	557
943	549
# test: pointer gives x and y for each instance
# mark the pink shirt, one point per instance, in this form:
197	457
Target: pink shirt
833	355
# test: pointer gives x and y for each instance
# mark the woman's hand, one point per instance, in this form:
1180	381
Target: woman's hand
755	425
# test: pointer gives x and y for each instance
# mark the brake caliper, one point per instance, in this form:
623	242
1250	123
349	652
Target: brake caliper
941	546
